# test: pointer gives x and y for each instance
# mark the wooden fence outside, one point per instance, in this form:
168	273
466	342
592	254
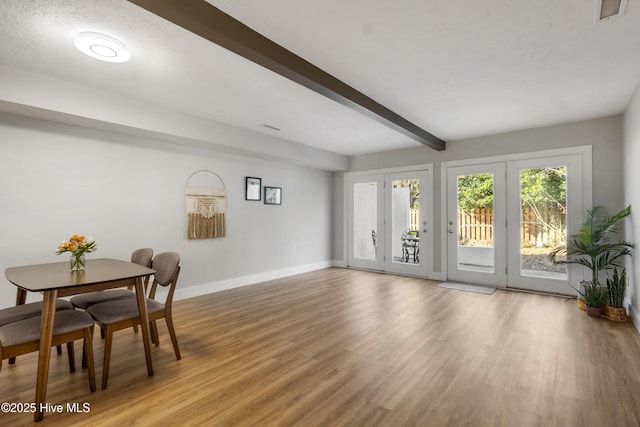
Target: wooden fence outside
414	223
547	227
477	226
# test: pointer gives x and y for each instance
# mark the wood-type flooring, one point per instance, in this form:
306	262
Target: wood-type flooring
345	347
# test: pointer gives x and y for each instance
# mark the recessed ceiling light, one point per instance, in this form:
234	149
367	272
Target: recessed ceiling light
102	47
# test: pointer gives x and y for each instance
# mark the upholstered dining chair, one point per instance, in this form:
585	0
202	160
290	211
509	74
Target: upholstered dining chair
23	336
120	314
27	311
139	256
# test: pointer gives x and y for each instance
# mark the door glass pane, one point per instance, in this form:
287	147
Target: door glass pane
365	221
543	224
405	219
475	222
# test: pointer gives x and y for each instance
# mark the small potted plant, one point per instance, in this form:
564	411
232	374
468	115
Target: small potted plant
616	287
595	298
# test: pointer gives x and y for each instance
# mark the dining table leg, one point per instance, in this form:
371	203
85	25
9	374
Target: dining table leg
44	353
144	323
21	296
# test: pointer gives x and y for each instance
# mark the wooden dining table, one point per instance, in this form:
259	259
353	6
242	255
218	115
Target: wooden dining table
55	280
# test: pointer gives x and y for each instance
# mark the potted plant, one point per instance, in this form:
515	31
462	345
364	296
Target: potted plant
592	247
616	287
595	298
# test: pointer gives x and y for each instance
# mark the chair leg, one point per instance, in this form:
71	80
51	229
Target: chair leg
59	349
153	328
108	331
172	334
12	360
88	357
84	358
72	357
84	352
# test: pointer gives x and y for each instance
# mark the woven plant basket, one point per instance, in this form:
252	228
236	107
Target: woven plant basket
616	314
581	304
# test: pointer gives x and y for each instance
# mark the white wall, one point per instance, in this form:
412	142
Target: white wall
126	192
632	197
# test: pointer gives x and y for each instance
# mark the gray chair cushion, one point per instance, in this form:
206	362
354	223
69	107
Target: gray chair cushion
85	301
27	311
115	311
28	330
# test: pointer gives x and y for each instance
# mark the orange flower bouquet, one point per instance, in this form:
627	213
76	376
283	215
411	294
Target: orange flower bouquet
78	246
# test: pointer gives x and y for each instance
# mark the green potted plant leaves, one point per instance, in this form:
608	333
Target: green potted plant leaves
592	248
595	297
616	287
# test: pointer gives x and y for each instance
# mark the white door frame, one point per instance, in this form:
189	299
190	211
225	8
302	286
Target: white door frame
585	157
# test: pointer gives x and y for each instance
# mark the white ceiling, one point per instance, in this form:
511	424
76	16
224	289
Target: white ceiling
458	69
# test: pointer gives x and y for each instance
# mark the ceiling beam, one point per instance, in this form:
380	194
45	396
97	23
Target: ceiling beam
205	20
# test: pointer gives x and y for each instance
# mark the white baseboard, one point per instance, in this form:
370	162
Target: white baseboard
339	263
236	282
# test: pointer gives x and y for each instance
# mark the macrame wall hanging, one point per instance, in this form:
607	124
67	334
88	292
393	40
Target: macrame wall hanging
206	205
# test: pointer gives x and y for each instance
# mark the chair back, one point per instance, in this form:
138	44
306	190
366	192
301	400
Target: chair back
167	267
142	257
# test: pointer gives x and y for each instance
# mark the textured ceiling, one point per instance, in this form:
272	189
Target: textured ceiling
458	69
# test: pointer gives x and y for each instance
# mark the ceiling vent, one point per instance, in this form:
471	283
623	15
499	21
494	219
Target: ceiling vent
607	9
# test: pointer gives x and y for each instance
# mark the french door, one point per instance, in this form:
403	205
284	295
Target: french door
546	206
476	224
366	222
389	227
504	218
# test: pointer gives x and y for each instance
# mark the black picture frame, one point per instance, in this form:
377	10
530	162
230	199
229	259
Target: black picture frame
272	195
253	188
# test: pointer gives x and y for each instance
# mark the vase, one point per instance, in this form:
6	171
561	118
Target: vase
76	262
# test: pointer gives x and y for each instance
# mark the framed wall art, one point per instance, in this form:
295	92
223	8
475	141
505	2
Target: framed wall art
272	195
253	188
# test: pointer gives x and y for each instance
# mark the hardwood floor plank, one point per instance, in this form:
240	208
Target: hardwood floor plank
342	347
